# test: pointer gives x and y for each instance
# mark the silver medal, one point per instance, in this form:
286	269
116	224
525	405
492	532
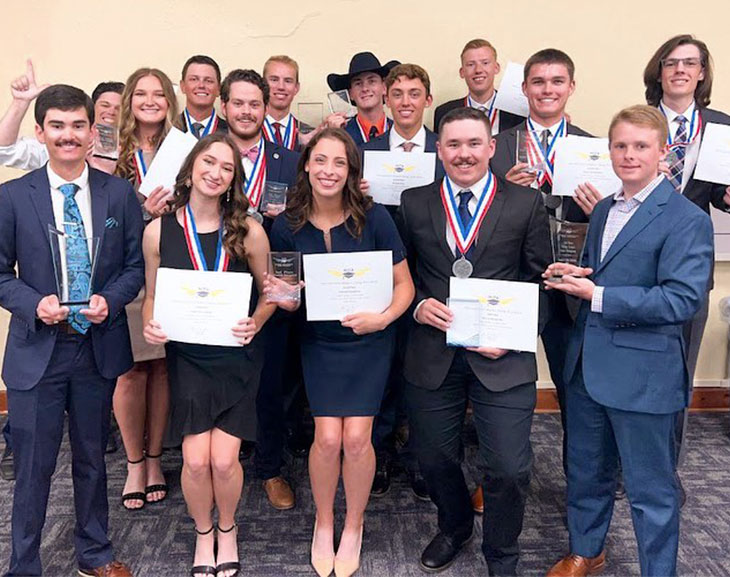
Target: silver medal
256	215
462	268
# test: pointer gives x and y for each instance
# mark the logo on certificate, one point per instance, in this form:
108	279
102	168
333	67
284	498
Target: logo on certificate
349	273
494	301
594	156
398	168
201	292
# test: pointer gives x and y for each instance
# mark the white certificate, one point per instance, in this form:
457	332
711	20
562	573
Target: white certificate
390	173
201	307
168	161
342	283
510	97
581	159
507	315
713	164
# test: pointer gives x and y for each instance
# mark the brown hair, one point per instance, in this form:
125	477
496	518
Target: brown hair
653	70
550	56
128	143
301	205
233	209
410	71
465	113
476	44
641	115
283	59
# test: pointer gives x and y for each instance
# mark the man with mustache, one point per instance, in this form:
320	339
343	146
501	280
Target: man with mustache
244	97
201	84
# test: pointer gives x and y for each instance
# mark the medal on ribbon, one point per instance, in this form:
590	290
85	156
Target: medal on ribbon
464	236
695	128
195	250
546	157
253	184
491	112
139	165
209	128
289	140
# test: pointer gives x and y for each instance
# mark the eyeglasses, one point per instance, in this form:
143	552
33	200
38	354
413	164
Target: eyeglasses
686	62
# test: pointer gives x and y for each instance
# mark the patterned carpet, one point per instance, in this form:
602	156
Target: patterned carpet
158	542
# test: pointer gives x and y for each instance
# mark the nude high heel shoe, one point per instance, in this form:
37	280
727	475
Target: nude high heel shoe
347	567
322	565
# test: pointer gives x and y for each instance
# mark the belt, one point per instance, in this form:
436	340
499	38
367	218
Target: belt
66	328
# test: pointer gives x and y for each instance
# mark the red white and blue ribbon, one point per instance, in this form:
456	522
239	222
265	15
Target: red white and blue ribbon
253	184
139	165
545	157
386	123
210	128
289	139
695	128
492	112
464	236
196	251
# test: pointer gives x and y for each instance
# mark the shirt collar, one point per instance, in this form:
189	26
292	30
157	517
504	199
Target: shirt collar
284	121
419	139
476	104
56	181
672	115
366	125
476	188
204	122
553	129
643	194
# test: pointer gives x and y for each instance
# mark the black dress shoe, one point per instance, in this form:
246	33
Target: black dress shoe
418	485
298	445
381	481
440	553
7	470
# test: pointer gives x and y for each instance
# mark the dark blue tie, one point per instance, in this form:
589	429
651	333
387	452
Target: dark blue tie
676	170
465	214
77	257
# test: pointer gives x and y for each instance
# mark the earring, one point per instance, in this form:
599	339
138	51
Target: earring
228	195
188	183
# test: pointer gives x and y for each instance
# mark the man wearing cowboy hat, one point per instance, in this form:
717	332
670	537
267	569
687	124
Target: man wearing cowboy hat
365	81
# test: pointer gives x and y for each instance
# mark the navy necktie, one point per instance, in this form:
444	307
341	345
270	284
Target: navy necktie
465	214
197	127
77	257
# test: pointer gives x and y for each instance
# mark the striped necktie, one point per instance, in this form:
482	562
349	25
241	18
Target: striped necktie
680	151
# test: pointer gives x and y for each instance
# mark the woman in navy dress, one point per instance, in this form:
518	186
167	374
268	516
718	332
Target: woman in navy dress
213	388
345	364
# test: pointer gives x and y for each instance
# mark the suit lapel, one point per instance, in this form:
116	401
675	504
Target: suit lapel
598	224
486	230
99	204
431	140
273	163
438	220
41	198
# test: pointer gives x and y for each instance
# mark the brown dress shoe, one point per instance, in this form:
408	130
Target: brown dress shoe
113	569
477	501
279	493
577	566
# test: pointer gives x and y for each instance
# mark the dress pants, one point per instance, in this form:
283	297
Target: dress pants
71	384
502	421
6	432
598	437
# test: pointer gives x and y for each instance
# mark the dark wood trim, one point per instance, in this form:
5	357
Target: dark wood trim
3	402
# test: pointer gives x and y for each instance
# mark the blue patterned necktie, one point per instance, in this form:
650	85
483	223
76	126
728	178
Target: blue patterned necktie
465	214
77	257
676	170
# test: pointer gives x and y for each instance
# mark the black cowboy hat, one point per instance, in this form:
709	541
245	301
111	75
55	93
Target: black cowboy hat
361	62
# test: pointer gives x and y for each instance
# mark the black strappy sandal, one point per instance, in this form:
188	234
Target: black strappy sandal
162	487
228	565
135	495
198	570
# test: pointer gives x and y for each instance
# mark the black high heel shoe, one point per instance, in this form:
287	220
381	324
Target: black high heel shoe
199	570
134	495
159	488
228	565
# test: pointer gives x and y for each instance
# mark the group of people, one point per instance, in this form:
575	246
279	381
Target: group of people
621	331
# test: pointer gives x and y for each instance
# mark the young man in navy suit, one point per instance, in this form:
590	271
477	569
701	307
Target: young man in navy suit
678	81
646	266
201	84
66	358
479	68
245	96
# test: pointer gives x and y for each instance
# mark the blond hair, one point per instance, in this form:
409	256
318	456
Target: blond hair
642	115
283	59
476	44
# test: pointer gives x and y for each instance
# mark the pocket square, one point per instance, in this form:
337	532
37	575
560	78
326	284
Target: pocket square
111	222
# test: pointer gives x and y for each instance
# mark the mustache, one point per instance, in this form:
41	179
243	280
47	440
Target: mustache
247	117
67	142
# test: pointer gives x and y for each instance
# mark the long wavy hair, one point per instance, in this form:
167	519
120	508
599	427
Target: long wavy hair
128	141
233	204
301	203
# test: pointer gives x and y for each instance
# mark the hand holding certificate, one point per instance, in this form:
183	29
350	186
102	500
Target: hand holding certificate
713	164
510	97
390	173
340	284
581	159
493	313
202	307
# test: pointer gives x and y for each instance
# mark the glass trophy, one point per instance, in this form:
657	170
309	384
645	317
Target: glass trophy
273	200
527	151
107	141
62	264
285	272
673	159
567	240
310	115
340	102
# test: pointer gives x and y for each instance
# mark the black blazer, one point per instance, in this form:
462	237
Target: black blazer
513	244
182	125
505	157
506	119
281	166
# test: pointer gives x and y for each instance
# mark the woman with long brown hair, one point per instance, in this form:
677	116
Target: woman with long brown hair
213	388
345	364
141	397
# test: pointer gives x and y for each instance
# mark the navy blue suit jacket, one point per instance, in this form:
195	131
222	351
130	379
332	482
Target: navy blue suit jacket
353	130
655	276
26	212
506	119
281	166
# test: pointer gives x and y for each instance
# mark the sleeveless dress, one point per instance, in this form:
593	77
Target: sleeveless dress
210	386
344	374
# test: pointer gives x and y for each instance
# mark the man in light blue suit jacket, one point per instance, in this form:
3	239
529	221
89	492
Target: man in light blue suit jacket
647	262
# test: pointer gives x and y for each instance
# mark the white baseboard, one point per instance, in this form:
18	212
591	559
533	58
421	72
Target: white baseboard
699	383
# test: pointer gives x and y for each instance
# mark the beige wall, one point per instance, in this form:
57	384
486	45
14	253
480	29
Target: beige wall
73	41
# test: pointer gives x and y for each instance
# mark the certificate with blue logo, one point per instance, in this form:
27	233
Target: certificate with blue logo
390	173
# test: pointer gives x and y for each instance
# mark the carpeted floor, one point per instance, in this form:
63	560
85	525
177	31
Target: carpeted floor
158	541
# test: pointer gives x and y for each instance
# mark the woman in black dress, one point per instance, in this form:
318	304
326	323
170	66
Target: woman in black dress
345	364
213	388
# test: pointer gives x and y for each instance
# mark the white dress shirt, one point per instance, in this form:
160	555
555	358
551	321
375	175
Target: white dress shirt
396	140
692	152
539	129
24	154
486	106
